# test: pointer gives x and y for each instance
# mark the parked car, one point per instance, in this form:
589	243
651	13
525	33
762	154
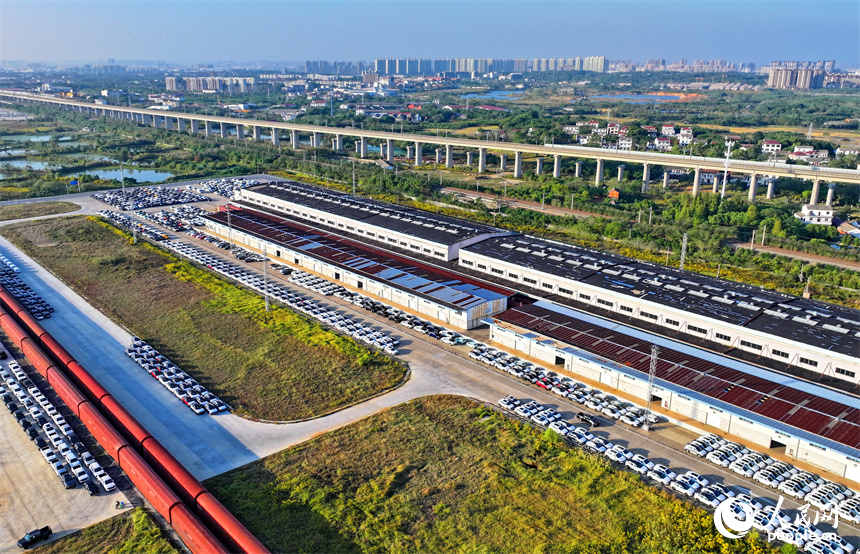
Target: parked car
34	536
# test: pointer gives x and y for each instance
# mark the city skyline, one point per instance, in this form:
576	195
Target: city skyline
759	32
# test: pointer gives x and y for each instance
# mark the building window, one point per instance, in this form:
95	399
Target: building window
627	309
348	228
469	263
439	254
547	286
649	316
403	243
426	250
414	247
482	266
369	234
498	271
565	291
748	344
695	329
845	372
585	297
513	276
780	353
723	337
672	322
810	363
603	302
392	240
530	281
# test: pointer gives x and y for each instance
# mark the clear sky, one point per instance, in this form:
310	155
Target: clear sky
203	31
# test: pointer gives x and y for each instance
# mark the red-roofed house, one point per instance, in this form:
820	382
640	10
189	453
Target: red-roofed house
771	146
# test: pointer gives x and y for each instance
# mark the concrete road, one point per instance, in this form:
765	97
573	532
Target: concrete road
811	258
210	445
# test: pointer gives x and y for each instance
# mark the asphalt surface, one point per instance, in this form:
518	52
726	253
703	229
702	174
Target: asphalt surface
209	445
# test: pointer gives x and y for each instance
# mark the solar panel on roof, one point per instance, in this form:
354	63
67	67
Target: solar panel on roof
526	250
836	328
675	288
804	320
722	300
611	272
508	245
556	258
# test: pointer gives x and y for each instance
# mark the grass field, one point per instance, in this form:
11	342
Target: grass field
21	211
271	365
131	533
445	474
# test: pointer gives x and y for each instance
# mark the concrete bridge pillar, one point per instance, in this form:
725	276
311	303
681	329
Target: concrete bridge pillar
518	164
556	167
598	176
753	183
207	128
389	151
830	188
256	132
697	181
717	178
363	147
240	132
816	184
408	152
316	141
470	158
419	158
294	139
449	156
438	156
539	166
276	137
482	160
665	179
621	169
646	174
771	184
503	162
180	125
225	133
194	129
338	143
155	121
578	172
168	123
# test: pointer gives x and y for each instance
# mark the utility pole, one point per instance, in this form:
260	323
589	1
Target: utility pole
639	218
652	373
266	276
683	251
763	234
650	214
752	241
726	170
353	177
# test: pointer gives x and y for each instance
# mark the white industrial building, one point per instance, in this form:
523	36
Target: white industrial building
442	295
787	419
433	235
797	332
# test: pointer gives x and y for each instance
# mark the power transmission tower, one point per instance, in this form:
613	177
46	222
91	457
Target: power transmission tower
683	251
652	372
809	132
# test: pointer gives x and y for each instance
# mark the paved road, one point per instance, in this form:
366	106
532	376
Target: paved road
520	203
811	258
210	445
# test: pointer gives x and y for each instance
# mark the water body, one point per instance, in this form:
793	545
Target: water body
33	138
31	163
495	95
642	98
15	152
141	175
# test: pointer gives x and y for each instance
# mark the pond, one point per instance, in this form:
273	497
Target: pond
32	138
642	98
29	163
141	175
494	95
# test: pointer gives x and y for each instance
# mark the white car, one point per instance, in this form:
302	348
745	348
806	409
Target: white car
79	471
637	466
684	487
664	469
107	483
660	476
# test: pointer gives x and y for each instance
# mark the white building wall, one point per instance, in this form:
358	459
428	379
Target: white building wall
672	318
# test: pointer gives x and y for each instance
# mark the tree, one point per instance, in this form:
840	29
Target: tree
777	228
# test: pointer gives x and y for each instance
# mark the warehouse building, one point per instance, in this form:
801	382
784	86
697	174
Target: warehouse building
433	235
817	425
768	325
448	297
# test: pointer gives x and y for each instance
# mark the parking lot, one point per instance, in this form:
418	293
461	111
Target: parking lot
31	493
211	445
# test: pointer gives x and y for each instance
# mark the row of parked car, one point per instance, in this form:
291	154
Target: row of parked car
8	263
126	222
295	301
564	386
815	491
29	299
787	479
198	399
60	447
140	198
223	187
209	238
180	219
689	484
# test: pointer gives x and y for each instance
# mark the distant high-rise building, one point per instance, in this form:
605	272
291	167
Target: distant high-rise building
170	84
795	79
595	63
